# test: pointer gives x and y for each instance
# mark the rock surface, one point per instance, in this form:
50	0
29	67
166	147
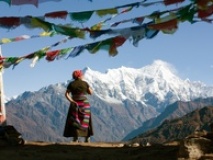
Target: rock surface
196	147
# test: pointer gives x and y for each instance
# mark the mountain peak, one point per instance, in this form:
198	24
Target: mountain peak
159	67
155	82
159	62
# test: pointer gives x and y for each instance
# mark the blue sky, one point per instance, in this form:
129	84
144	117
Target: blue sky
189	50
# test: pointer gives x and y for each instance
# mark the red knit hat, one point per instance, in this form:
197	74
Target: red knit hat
76	74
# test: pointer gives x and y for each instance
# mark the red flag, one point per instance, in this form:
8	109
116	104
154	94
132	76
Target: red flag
10	22
206	12
116	42
169	2
202	3
59	14
51	55
21	2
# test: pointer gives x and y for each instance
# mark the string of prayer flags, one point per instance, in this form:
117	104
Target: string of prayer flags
110	44
23	2
77	16
165	21
24	37
186	13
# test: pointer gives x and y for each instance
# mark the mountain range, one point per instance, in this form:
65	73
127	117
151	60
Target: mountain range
125	100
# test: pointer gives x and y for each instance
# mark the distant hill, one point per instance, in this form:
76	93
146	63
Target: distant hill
172	111
179	128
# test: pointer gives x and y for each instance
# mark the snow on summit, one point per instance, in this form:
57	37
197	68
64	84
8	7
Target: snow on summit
158	79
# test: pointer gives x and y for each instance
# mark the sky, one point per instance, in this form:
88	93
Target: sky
189	49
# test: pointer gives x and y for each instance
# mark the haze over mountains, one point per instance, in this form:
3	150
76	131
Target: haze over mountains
123	100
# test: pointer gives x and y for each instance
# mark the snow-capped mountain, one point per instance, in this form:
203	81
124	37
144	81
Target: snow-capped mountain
153	84
123	99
